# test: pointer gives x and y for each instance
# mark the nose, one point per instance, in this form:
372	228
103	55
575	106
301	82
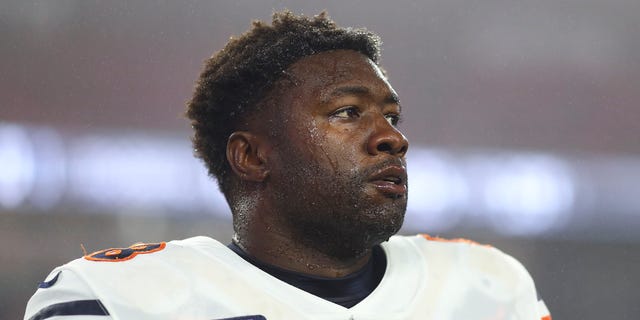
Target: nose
386	138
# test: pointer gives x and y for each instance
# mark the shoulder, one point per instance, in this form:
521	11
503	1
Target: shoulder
140	255
64	293
484	272
137	249
93	284
467	256
460	252
143	263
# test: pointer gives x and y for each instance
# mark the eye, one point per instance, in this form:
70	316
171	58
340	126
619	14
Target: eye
392	118
346	113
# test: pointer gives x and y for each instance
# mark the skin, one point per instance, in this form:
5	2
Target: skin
313	167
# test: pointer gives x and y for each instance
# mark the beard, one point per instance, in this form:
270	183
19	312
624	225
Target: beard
335	210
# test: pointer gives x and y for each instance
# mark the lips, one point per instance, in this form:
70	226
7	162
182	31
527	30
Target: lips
390	180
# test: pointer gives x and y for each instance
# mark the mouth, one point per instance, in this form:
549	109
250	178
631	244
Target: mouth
391	181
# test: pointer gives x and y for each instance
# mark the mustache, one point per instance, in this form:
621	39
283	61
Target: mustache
367	172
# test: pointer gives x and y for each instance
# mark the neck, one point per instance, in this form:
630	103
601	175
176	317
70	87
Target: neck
280	247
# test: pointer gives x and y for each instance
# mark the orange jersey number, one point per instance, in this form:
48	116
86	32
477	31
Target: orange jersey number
124	254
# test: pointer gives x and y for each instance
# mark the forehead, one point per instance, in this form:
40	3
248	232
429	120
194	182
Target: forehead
320	73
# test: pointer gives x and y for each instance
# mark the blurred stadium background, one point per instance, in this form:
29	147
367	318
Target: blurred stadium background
523	118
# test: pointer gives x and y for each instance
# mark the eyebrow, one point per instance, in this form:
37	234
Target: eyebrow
392	98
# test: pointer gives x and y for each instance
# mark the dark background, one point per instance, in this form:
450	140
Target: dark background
523	118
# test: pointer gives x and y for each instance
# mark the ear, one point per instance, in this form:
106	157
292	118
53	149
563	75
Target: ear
246	153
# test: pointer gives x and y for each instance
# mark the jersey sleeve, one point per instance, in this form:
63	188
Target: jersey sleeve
64	295
543	311
528	297
539	310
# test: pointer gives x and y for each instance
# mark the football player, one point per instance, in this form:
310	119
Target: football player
298	123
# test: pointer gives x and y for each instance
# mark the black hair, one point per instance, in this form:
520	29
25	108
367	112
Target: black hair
238	77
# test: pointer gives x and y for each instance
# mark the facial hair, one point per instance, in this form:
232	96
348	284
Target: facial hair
335	210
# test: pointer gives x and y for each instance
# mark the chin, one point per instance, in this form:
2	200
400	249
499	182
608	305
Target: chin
354	234
371	232
384	232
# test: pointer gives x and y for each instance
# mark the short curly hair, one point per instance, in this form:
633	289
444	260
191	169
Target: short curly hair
238	77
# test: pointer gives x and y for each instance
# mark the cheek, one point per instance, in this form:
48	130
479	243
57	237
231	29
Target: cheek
339	148
304	144
314	132
345	148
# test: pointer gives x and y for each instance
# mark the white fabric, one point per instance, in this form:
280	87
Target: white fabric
200	278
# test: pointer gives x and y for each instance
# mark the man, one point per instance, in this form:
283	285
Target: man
298	123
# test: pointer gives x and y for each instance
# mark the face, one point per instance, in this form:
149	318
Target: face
337	168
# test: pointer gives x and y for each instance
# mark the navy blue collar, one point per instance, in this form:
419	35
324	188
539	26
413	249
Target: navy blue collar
346	291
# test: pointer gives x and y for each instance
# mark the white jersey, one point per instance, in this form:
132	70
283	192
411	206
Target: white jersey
200	278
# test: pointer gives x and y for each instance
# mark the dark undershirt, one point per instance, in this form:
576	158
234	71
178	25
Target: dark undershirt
346	291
